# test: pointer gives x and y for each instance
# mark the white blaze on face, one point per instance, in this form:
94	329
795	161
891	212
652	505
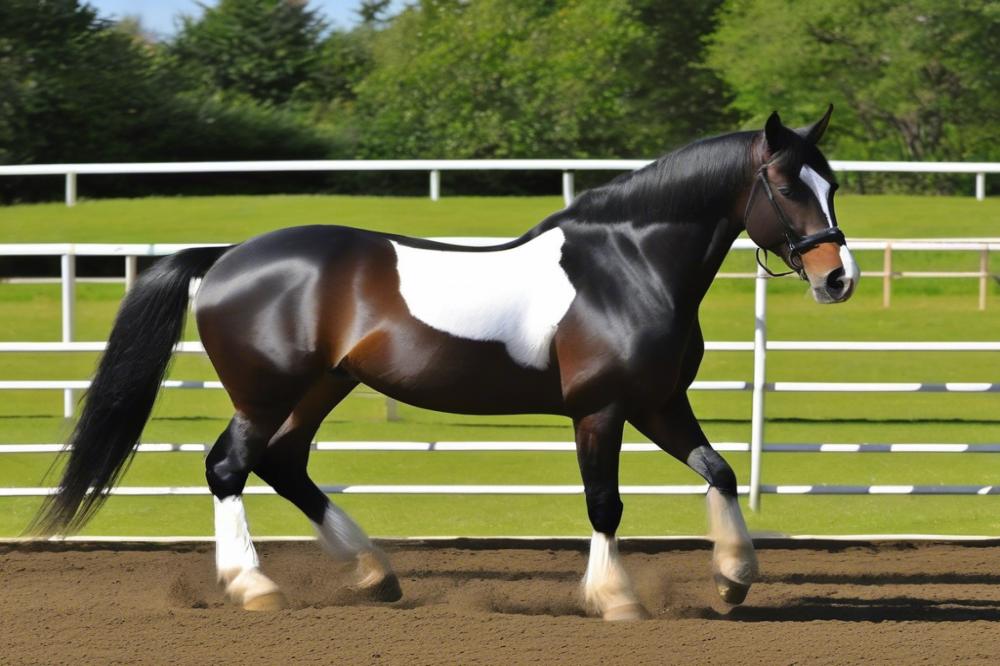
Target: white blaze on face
820	187
515	296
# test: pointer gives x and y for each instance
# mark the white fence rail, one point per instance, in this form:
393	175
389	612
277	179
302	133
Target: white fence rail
759	386
533	489
434	168
545	447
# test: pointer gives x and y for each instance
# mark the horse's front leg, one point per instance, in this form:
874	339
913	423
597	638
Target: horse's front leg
675	429
607	590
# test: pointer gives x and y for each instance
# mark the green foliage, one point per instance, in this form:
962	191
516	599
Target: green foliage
915	80
503	79
678	99
73	88
263	49
76	88
264	79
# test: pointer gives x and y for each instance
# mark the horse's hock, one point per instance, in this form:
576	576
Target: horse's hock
511	602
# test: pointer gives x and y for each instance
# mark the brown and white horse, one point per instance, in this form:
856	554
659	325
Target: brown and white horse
592	314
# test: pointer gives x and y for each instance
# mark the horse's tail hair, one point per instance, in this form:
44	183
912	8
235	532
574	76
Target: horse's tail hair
149	324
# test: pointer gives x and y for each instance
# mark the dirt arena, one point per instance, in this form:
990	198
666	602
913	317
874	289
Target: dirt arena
502	603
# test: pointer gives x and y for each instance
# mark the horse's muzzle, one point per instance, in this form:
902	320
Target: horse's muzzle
839	283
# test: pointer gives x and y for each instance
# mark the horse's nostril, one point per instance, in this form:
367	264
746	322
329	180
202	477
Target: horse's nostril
835	280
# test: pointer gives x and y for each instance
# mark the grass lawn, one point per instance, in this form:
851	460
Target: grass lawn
921	310
232	219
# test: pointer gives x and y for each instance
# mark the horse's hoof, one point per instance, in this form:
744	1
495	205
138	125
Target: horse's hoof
732	593
271	601
387	589
626	613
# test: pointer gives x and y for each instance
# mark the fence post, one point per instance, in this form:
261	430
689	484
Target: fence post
435	184
759	380
567	187
887	275
70	189
68	281
980	186
391	409
131	271
984	275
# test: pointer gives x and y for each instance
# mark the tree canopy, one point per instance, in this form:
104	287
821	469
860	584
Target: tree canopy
914	80
257	79
266	50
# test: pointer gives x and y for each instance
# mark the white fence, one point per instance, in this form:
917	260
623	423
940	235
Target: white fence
434	168
759	386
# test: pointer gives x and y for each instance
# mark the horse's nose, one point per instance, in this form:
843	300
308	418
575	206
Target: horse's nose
839	285
834	280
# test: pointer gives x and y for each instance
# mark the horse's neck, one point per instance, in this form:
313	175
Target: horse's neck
692	253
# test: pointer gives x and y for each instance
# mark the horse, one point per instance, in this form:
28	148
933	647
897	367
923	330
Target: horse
592	315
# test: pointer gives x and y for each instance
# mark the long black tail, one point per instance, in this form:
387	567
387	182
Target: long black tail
148	326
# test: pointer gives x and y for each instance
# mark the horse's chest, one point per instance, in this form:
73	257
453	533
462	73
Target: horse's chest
516	296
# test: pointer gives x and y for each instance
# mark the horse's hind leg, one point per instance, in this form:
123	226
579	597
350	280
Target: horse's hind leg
676	430
283	466
607	590
227	466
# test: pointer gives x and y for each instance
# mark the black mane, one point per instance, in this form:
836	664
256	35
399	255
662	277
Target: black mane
686	185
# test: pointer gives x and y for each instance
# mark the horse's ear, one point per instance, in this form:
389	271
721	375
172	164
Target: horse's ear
814	132
774	133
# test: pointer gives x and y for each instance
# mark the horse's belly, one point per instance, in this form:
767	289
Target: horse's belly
434	370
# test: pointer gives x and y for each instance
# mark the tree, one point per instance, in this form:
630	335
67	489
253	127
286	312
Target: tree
503	78
915	80
73	88
266	50
678	98
77	88
373	12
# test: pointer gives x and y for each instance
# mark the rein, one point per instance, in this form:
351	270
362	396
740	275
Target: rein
797	243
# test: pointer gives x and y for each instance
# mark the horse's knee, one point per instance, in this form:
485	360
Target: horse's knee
234	455
223	480
604	508
713	468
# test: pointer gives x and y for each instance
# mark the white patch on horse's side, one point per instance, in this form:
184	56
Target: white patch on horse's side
235	557
820	187
606	585
342	538
515	296
733	555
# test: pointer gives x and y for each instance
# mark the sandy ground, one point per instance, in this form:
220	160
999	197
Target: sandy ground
502	603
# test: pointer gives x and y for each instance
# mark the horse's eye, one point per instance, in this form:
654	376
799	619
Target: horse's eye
793	193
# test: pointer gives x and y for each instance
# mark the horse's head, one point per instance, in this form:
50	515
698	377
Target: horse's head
790	212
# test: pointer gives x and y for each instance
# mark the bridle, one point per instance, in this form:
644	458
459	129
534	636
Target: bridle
796	243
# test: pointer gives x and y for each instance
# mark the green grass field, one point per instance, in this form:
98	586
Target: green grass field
921	310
